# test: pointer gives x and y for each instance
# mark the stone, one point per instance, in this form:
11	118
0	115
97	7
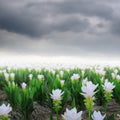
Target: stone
3	96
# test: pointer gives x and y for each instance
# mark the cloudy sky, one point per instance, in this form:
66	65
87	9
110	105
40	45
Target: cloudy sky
84	29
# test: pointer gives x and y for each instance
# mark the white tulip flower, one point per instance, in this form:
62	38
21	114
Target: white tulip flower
12	75
113	75
98	116
6	75
88	89
72	114
57	97
62	82
23	85
88	92
118	77
75	77
56	94
40	77
30	76
118	115
100	71
108	86
5	109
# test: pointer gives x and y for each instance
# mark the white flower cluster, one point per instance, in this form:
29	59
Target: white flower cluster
100	71
30	76
62	82
115	75
7	76
40	77
88	89
73	115
5	109
75	77
108	86
56	94
98	116
23	85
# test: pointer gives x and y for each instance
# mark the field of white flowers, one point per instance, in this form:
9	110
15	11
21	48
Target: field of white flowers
68	91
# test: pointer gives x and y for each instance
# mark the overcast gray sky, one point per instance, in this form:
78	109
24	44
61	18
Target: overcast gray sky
75	28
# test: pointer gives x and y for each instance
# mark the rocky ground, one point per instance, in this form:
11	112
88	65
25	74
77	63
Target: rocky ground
43	113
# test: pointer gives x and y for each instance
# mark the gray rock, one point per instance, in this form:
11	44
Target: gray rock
40	112
3	96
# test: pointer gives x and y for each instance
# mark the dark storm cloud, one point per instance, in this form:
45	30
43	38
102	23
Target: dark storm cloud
30	18
115	26
72	24
16	20
25	20
87	7
60	27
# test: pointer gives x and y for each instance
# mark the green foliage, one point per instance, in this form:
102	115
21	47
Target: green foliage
12	90
39	90
116	91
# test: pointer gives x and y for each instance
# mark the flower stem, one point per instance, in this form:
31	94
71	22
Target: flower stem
106	105
89	115
57	115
